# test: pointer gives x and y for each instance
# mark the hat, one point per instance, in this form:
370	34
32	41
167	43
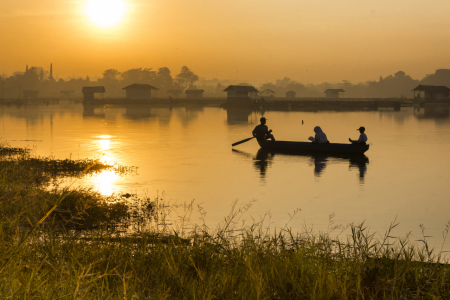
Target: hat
262	119
361	128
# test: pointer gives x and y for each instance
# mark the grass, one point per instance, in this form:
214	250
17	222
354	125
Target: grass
64	243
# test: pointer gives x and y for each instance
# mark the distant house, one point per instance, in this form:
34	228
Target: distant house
290	94
241	92
30	94
333	93
194	94
67	94
432	92
140	91
89	91
268	93
175	93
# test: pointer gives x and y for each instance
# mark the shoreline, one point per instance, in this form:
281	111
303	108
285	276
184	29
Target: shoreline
69	242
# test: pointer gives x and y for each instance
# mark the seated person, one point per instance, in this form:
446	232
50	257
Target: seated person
362	137
320	136
261	132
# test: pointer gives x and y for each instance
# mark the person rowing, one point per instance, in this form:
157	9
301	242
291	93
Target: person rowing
362	137
262	132
320	137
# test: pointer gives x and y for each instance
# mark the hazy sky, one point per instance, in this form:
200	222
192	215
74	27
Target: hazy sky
253	40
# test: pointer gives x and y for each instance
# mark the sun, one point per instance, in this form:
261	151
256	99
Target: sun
105	13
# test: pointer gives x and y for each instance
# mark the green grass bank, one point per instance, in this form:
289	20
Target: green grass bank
74	243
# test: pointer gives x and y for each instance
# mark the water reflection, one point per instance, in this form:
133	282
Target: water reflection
104	144
188	114
105	182
360	163
320	163
242	116
89	110
138	112
432	111
264	159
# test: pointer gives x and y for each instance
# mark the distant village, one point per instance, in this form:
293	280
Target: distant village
145	84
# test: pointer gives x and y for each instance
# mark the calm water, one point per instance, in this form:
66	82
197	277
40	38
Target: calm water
185	153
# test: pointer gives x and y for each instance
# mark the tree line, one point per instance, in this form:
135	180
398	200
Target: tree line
396	85
113	81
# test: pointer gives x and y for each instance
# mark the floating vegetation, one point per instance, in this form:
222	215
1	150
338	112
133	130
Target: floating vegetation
45	170
6	149
69	167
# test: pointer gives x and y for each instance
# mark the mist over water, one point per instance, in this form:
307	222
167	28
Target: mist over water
186	153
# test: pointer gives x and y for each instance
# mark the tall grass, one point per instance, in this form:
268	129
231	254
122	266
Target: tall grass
69	244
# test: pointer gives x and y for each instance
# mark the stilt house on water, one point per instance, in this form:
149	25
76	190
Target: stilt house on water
290	94
241	94
30	94
140	91
333	93
89	91
434	92
194	94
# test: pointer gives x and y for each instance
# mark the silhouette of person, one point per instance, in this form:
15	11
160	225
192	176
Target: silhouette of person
262	132
320	136
362	137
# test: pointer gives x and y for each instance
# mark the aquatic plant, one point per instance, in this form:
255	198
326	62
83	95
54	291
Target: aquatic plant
6	149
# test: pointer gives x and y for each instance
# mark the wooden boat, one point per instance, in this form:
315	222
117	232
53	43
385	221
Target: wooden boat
314	147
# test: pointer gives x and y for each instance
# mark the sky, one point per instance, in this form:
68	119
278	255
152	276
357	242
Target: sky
310	41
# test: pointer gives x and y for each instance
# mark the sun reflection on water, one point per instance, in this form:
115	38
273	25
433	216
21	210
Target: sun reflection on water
104	144
105	182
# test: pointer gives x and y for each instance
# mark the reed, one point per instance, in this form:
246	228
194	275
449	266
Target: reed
69	243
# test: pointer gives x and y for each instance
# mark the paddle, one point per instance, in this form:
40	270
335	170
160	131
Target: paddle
243	141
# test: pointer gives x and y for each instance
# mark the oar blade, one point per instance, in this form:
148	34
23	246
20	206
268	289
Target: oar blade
240	142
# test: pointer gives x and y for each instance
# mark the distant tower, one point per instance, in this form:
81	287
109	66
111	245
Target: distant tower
26	69
51	72
42	75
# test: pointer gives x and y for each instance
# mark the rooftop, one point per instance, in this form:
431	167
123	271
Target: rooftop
141	86
93	89
335	90
432	88
241	88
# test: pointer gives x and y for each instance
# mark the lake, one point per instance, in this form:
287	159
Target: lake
185	153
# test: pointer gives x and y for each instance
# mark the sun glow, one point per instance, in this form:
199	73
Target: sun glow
105	182
105	13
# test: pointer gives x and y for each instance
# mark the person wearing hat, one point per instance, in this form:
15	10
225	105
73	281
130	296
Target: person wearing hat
262	132
362	137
